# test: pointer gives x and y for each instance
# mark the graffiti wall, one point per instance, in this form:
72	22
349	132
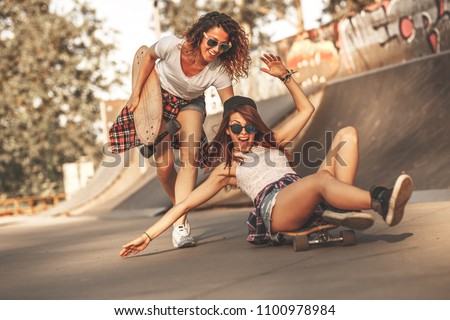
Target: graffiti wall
387	33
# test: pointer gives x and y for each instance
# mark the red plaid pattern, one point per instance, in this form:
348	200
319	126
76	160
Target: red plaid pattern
123	136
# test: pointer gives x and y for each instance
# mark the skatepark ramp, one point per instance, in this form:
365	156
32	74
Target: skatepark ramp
402	113
114	179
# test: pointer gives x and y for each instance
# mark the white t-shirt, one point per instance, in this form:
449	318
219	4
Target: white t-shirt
173	78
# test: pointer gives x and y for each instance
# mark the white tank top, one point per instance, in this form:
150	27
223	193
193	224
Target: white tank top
261	167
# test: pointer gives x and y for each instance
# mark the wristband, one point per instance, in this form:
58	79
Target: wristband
148	236
288	75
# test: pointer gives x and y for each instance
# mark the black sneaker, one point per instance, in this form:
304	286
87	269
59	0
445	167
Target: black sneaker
390	203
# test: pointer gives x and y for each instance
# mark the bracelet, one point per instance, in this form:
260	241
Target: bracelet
288	75
148	236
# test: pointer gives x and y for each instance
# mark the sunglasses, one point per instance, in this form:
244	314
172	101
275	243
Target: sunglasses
213	43
237	128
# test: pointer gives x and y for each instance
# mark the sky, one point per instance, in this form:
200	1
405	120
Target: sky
312	10
133	20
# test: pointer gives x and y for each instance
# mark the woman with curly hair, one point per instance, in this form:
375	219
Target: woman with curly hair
214	51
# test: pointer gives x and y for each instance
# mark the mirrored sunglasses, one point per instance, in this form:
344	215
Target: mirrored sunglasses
237	128
213	43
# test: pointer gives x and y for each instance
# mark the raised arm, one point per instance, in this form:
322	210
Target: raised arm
305	109
148	63
218	179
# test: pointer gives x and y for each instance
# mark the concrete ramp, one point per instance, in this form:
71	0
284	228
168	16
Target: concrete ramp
115	179
96	186
403	117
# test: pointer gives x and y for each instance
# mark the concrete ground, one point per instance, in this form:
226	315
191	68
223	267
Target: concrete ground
77	258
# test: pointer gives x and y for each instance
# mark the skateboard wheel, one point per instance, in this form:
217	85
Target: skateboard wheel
301	243
173	126
348	237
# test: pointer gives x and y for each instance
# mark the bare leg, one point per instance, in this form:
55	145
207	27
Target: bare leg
167	174
296	202
342	160
190	134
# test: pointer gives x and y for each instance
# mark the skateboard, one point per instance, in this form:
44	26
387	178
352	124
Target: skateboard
148	114
319	235
172	127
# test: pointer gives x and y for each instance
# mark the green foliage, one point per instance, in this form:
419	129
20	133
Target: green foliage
50	70
178	15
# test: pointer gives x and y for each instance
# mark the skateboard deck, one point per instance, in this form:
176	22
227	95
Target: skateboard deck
319	235
148	114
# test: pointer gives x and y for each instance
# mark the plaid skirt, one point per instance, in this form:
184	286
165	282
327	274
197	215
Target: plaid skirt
123	135
257	231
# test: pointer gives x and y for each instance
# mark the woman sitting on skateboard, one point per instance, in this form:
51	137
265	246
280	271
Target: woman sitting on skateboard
214	51
247	154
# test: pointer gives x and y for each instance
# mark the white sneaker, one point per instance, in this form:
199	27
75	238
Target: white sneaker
181	237
352	220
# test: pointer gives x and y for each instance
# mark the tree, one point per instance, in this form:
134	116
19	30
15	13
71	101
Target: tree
251	14
50	72
340	8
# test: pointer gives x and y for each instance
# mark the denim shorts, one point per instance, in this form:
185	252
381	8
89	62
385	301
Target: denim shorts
172	105
266	208
198	104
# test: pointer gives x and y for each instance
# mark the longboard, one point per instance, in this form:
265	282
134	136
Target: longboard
148	114
319	235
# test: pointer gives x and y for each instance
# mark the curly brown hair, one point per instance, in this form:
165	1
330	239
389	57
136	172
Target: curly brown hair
236	60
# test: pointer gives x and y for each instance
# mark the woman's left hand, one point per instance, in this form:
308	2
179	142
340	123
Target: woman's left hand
135	246
275	68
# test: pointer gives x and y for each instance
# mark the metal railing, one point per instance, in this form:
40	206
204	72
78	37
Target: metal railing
28	205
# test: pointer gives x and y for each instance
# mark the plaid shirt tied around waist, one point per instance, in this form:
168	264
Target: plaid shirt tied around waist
123	135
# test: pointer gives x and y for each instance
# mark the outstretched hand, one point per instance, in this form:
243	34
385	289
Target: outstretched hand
135	246
275	68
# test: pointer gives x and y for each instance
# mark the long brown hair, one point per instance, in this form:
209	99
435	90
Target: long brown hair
236	60
220	149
